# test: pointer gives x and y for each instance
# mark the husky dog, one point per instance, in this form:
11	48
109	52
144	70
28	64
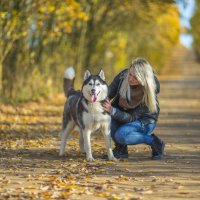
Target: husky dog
83	110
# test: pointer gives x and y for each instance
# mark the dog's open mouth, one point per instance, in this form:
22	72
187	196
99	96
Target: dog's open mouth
94	97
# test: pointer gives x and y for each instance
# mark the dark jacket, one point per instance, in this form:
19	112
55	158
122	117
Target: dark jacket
141	112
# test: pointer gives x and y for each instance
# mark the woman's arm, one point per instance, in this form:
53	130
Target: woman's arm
113	87
120	116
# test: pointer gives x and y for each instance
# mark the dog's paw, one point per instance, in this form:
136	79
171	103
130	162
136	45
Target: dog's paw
113	159
90	159
62	154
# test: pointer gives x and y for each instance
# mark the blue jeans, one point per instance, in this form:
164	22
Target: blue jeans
132	133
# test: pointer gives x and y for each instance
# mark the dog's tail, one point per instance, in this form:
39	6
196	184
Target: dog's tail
68	81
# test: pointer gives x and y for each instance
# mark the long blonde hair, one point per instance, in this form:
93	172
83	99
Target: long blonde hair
145	76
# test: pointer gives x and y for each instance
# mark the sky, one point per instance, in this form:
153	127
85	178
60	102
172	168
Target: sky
186	9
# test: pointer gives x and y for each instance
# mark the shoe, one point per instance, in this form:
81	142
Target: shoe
120	151
157	147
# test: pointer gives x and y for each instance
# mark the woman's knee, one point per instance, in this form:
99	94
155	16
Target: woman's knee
122	133
126	136
120	137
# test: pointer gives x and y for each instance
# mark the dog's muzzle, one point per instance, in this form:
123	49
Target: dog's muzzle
94	95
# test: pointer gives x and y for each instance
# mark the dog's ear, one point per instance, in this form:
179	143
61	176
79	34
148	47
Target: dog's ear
102	75
87	74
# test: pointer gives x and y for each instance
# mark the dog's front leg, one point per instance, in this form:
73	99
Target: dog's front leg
81	141
87	145
106	132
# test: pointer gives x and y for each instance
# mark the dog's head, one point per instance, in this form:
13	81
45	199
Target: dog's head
94	87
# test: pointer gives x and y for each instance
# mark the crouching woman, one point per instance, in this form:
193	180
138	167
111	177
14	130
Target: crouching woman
134	109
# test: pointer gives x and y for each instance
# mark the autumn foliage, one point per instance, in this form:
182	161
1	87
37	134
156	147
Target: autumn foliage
195	30
41	38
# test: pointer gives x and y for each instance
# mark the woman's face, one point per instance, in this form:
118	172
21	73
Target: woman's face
132	80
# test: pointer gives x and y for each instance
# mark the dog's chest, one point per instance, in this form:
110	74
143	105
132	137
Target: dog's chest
95	115
95	112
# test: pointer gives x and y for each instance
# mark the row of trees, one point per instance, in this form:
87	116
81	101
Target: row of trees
39	39
195	30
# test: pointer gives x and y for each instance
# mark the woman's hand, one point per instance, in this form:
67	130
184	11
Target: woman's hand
107	106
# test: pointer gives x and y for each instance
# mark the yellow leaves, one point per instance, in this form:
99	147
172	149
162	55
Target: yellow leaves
64	14
45	195
66	26
47	8
3	15
114	197
53	19
123	178
72	178
83	16
42	9
110	162
169	32
105	194
4	180
122	43
58	188
24	33
51	8
26	126
32	187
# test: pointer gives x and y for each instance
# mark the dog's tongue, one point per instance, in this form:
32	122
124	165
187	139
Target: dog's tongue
93	98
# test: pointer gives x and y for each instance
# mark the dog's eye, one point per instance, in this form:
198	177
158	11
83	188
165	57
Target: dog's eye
97	84
90	84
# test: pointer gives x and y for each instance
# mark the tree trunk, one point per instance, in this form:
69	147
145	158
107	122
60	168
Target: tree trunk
9	72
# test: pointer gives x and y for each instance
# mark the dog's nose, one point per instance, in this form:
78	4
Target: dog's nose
93	91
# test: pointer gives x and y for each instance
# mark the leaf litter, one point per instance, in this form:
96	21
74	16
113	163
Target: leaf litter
30	167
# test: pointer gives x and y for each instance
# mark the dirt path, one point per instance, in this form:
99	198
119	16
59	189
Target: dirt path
31	169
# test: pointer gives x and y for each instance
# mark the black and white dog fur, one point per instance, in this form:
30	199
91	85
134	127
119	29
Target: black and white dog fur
83	110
